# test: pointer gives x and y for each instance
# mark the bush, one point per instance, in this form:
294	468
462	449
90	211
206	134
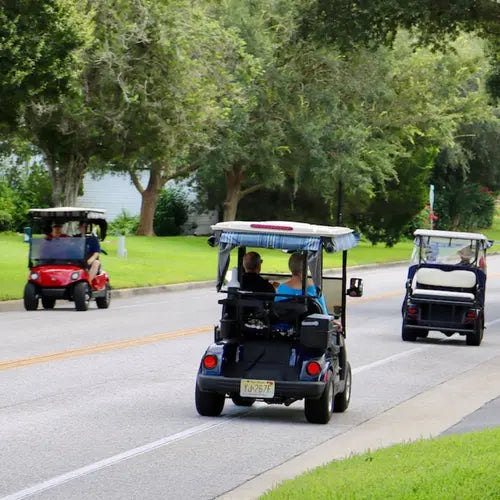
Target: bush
22	188
171	212
124	224
467	208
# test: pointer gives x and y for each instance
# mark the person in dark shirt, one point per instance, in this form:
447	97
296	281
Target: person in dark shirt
251	280
92	250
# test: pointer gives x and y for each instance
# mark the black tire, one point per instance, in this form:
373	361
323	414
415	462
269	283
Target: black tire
239	401
209	404
48	302
103	302
475	338
342	399
81	296
408	334
422	333
319	411
30	297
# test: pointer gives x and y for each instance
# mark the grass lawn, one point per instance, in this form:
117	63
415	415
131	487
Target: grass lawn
452	467
176	259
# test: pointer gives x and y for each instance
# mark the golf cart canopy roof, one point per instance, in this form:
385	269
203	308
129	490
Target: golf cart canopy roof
450	234
285	235
68	213
293	236
61	215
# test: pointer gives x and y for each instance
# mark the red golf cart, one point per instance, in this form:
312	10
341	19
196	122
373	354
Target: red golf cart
58	262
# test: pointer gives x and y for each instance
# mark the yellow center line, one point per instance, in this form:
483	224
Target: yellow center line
98	348
149	339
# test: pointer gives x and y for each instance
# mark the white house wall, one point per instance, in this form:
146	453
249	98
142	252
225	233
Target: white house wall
115	193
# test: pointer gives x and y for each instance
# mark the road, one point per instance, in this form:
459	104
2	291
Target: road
101	404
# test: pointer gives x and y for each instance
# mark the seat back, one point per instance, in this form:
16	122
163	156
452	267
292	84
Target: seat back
433	277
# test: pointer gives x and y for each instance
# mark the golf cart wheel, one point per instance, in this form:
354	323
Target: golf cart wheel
81	296
475	337
48	302
239	401
319	411
103	302
423	333
30	297
408	334
342	399
209	404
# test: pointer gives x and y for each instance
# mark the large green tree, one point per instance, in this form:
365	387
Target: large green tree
171	76
39	44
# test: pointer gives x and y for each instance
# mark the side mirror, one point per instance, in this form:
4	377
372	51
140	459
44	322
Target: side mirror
355	287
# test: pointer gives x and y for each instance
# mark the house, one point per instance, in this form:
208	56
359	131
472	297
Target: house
115	193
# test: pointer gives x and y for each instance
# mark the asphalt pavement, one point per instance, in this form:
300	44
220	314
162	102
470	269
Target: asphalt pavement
101	404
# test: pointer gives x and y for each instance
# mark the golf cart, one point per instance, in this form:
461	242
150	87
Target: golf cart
58	265
446	284
280	348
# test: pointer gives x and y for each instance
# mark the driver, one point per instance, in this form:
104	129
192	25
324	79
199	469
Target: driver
92	250
251	280
56	232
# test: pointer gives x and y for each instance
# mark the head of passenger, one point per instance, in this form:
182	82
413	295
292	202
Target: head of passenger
295	264
252	262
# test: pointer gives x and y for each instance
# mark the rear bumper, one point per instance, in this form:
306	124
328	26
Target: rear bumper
440	326
283	389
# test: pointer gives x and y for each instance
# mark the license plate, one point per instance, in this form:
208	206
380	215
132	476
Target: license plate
256	388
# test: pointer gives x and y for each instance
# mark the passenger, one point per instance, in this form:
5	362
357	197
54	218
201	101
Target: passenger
92	250
251	280
294	285
466	255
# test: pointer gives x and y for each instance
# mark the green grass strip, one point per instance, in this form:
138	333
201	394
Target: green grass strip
461	467
178	259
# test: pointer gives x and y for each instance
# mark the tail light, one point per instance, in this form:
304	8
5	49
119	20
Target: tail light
471	314
313	368
210	361
412	310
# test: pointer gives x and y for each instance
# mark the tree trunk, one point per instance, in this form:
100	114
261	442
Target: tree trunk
66	180
148	204
234	179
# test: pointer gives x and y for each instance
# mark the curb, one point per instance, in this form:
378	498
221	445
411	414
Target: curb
17	305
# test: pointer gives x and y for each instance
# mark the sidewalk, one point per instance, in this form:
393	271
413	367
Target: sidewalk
486	417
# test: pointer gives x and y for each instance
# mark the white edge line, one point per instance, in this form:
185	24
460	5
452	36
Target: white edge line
399	355
107	462
140	450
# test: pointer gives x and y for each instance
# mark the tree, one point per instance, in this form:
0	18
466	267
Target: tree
39	43
349	23
171	78
433	93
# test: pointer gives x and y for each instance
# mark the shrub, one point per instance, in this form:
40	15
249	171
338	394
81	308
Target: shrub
466	208
124	224
171	212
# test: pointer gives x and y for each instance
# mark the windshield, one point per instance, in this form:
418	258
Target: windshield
60	250
452	251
